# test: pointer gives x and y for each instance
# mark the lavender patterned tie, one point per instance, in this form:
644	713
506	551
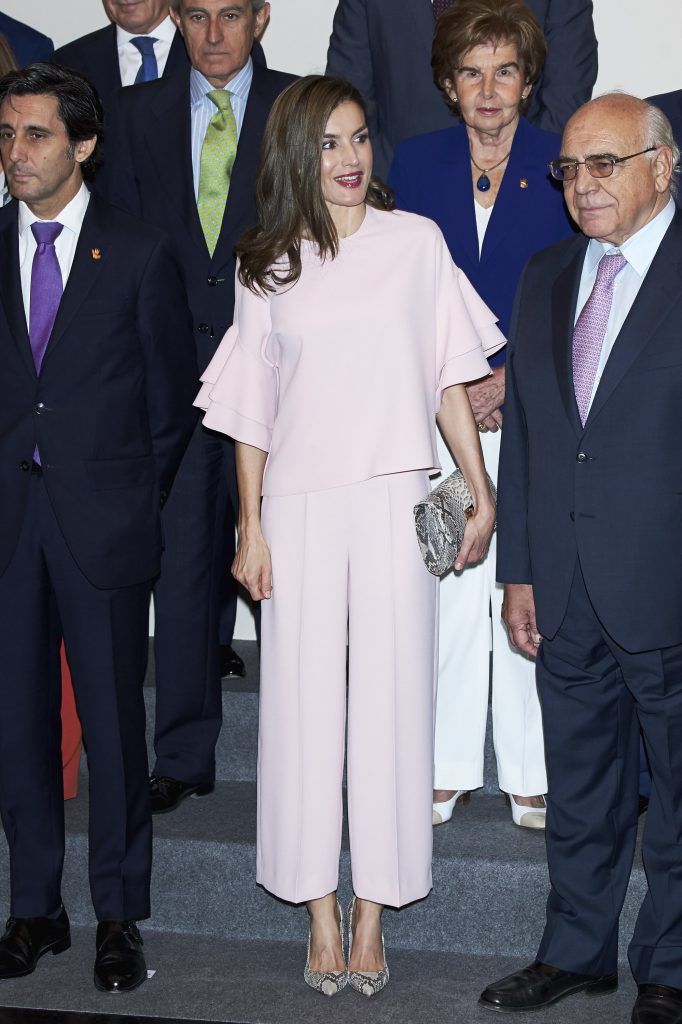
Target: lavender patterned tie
46	288
590	328
441	6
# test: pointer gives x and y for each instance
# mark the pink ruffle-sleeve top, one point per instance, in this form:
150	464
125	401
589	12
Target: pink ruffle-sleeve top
339	377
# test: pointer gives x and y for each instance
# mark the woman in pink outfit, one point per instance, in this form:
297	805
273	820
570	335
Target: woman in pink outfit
353	332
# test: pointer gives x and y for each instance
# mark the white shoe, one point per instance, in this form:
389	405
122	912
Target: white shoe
527	817
443	812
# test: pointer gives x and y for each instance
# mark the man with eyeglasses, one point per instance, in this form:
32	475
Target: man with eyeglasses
589	535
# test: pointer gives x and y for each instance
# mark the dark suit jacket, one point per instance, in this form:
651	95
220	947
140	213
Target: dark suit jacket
384	48
111	411
431	175
148	171
671	105
27	44
96	57
610	493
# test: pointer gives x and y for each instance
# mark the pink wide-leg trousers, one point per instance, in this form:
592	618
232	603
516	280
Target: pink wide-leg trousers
346	565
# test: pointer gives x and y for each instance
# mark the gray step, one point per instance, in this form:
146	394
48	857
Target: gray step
237	744
217	980
490	879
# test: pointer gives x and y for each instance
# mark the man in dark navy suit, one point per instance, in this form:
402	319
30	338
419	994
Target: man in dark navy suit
141	45
590	524
384	48
98	377
27	44
184	155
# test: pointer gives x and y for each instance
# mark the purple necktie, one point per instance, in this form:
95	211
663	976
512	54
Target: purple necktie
46	288
441	6
590	328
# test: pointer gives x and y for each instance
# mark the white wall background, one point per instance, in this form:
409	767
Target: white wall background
638	51
638	42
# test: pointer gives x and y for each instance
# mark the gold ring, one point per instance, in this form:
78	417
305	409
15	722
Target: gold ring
482	427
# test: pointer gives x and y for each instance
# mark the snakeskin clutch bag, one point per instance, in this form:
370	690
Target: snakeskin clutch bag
440	519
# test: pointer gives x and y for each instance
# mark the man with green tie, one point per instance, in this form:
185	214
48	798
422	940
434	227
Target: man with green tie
183	154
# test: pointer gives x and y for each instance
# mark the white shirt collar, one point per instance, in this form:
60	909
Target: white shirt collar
239	85
165	31
640	248
71	216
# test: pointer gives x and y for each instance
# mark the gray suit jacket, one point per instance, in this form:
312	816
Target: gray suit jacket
384	48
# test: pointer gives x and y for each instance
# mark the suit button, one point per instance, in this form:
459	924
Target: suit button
204	328
40	407
212	281
25	466
581	457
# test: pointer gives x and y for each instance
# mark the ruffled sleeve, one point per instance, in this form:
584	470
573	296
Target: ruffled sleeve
239	392
467	331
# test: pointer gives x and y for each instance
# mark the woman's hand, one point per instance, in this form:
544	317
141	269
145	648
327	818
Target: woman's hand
477	534
252	566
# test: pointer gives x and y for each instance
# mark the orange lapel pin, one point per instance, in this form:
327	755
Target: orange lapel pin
96	254
523	183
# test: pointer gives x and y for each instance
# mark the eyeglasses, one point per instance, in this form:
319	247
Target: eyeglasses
600	166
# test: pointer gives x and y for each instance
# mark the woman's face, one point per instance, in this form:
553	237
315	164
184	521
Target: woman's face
346	157
489	86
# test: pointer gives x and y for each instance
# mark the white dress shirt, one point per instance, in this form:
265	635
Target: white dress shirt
639	251
483	216
130	58
65	245
203	109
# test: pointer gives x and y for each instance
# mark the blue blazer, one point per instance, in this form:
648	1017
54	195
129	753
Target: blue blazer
431	175
384	48
27	45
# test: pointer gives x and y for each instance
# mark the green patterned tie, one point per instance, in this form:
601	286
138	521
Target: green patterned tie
217	160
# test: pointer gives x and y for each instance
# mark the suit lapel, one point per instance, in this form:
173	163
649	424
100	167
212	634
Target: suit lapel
110	60
510	211
564	299
89	265
452	176
11	291
177	57
660	288
172	122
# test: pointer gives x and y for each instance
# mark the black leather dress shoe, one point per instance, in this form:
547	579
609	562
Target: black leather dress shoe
230	662
658	1004
26	939
540	985
166	794
119	964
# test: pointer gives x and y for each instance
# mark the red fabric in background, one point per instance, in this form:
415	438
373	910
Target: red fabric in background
71	734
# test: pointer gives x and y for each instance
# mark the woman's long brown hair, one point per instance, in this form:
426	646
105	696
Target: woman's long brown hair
8	61
289	199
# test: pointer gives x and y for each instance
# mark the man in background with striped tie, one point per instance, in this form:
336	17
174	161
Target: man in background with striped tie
384	48
183	155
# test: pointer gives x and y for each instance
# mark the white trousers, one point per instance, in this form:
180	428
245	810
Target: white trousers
470	604
346	563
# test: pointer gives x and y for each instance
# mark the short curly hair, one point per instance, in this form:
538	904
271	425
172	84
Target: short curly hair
471	23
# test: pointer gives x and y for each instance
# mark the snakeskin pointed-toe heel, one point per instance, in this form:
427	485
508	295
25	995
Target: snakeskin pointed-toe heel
367	983
329	983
